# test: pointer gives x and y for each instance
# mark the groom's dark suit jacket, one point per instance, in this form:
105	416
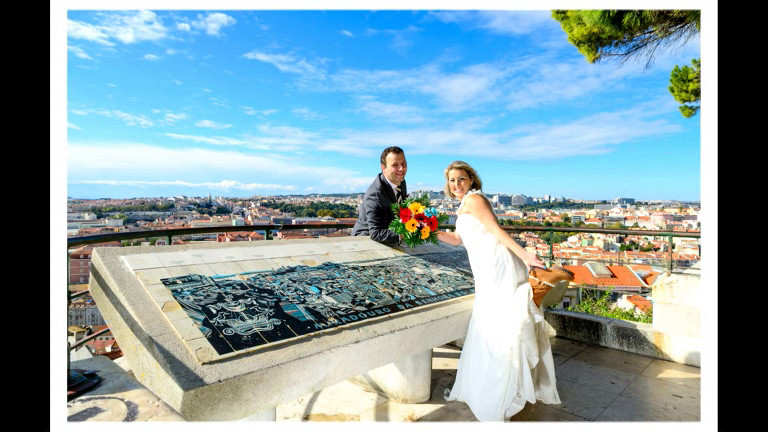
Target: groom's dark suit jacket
376	211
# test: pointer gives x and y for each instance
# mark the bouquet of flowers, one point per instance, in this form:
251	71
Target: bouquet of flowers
416	221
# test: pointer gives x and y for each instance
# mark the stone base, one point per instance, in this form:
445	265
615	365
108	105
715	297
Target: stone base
266	415
406	381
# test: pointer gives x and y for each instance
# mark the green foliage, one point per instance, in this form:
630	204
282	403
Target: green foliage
599	34
555	205
632	245
624	34
685	86
597	302
556	237
101	211
315	209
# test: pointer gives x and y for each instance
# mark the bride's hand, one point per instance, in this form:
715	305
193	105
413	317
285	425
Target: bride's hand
533	260
450	238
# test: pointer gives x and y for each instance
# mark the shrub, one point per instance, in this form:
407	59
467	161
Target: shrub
599	303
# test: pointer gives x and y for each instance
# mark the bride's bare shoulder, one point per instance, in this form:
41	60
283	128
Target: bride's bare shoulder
475	200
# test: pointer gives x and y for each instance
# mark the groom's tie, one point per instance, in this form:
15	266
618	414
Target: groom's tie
398	195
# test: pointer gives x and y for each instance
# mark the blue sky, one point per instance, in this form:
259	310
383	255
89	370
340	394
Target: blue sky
258	102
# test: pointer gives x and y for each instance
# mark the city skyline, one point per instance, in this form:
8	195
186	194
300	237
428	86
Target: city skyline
238	103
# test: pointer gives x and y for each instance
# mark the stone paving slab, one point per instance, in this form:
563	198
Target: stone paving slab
662	391
650	390
117	398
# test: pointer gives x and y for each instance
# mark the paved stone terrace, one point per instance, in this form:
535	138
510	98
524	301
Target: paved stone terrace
594	383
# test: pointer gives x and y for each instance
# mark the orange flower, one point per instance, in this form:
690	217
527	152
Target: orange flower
411	225
424	232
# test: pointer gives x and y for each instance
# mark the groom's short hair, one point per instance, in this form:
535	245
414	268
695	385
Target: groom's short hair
388	150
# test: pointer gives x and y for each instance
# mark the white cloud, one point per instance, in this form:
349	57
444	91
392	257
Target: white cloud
125	162
171	118
88	32
212	23
212	124
129	119
347	33
137	27
306	113
287	63
165	117
79	52
131	27
252	111
219	141
470	87
391	112
126	27
223	184
501	22
525	83
453	91
401	38
589	135
151	57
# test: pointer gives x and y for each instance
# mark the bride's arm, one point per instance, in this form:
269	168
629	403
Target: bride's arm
479	207
450	238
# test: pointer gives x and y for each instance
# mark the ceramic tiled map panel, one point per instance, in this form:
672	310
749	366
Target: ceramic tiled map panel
253	309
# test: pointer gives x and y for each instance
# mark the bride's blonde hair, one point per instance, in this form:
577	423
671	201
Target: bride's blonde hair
473	177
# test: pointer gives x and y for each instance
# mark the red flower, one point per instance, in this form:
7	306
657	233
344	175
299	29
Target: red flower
432	223
405	214
420	217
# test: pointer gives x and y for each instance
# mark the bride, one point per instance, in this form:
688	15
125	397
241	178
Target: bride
506	359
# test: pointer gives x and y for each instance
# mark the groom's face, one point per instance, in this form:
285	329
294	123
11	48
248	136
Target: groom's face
395	168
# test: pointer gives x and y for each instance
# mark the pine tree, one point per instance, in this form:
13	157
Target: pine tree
625	34
686	87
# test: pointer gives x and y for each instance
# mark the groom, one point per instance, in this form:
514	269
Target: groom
376	211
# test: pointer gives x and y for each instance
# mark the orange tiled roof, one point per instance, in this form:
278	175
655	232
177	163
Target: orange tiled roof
621	276
641	302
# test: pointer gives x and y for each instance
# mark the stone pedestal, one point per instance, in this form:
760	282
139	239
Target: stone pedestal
269	414
406	380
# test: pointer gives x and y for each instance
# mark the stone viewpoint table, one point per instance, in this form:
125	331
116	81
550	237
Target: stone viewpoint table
228	331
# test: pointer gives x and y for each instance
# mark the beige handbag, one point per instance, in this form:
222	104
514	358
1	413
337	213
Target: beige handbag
549	285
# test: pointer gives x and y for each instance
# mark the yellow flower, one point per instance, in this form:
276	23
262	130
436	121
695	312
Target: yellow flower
411	225
424	232
416	207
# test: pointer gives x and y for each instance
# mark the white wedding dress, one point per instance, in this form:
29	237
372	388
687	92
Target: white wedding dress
506	359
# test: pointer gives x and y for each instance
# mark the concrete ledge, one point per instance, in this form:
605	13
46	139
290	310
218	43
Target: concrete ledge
637	338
